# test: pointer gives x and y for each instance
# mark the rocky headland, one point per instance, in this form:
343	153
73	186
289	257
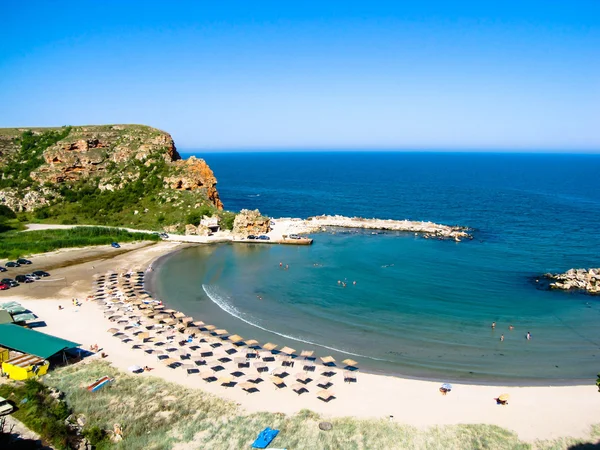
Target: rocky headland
130	175
587	280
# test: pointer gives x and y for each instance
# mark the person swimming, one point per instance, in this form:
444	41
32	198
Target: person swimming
493	325
528	336
510	327
502	338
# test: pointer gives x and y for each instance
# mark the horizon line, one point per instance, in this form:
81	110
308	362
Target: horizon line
575	151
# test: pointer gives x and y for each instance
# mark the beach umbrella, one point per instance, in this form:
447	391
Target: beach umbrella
178	315
269	346
198	323
448	386
113	330
220	332
251	342
287	350
210	327
327	359
277	381
325	395
299	388
349	362
307	353
186	320
504	397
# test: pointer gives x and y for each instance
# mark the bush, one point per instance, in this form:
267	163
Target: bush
95	435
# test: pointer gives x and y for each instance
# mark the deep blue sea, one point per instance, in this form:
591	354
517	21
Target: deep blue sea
420	308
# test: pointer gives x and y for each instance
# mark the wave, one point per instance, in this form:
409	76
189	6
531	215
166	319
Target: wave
226	306
253	195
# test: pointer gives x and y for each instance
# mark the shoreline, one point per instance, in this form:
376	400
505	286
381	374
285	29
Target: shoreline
149	282
539	412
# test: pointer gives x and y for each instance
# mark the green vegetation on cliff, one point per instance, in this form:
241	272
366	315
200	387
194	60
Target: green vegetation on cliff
117	175
16	172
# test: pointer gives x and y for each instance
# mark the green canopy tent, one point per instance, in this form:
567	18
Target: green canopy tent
32	342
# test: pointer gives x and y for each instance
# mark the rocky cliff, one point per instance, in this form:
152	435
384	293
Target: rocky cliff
103	174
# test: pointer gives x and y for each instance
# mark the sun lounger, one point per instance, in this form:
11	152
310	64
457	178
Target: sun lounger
265	437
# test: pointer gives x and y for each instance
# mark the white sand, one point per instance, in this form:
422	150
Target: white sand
533	412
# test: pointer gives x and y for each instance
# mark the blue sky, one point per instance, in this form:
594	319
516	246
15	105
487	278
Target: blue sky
475	75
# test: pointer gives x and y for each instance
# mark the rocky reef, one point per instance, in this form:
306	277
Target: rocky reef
77	166
587	280
427	229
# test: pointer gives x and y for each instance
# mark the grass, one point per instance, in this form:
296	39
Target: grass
156	414
38	411
14	244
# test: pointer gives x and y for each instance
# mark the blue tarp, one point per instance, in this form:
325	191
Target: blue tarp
264	438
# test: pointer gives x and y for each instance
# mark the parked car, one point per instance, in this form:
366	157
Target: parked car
40	273
9	281
263	237
251	236
5	407
164	235
32	276
294	236
23	279
23	261
2	269
12	264
115	245
4	286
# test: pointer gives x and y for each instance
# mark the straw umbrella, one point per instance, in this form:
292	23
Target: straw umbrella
226	380
302	378
278	382
269	346
325	395
235	338
287	350
307	353
248	387
324	383
299	388
220	332
327	360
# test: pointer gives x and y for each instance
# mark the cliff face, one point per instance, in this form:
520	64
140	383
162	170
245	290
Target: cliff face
43	164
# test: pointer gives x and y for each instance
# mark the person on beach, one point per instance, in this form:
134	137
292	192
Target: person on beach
60	307
493	325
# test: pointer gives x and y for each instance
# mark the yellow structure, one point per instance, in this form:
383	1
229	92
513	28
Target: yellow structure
25	366
4	354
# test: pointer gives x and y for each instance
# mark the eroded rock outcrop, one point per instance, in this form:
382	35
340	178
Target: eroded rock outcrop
576	279
251	222
109	157
192	174
26	199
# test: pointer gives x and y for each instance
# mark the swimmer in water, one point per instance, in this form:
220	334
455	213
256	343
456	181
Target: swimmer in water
510	327
493	325
287	267
502	338
280	264
528	337
339	282
354	283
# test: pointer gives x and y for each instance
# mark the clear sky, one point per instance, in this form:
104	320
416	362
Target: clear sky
324	74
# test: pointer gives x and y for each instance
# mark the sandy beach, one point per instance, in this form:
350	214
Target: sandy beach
533	412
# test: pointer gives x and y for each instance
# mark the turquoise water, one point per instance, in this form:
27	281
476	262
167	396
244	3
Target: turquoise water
420	308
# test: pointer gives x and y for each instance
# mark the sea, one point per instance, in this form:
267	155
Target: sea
412	307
